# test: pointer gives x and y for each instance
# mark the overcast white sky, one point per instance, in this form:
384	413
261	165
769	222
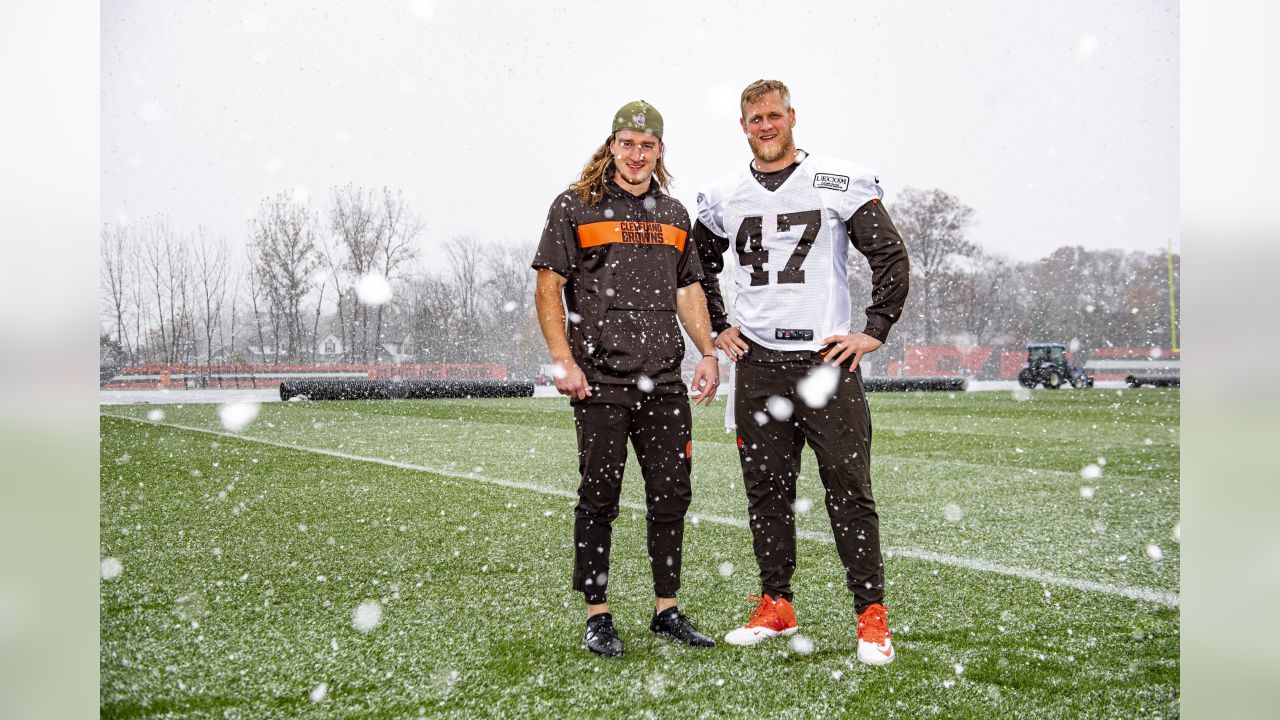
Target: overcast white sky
1057	122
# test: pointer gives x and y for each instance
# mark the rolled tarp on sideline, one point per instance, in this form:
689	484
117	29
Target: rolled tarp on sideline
883	384
436	389
403	389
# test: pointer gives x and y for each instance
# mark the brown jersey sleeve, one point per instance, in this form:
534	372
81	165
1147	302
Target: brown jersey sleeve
711	249
874	235
558	248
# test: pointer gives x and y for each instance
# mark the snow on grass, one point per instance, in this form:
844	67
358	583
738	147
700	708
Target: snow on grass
319	692
801	645
448	652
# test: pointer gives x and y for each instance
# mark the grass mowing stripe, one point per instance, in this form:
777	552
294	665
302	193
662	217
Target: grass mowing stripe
1132	593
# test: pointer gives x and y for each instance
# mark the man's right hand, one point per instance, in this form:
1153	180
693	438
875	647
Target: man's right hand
570	379
731	343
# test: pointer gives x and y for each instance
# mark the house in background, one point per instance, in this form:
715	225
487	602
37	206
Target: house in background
329	349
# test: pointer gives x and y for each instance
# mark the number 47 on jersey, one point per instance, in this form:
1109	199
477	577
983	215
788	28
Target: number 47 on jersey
751	252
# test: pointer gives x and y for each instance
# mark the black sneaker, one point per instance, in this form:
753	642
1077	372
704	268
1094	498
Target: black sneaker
601	638
671	623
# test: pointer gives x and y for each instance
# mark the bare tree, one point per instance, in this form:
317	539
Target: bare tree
933	224
138	293
466	259
232	315
285	254
435	319
511	328
209	263
397	231
353	222
257	303
115	279
164	264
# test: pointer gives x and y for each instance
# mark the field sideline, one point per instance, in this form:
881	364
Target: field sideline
1017	586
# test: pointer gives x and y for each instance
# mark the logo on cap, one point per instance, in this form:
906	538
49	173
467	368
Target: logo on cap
638	120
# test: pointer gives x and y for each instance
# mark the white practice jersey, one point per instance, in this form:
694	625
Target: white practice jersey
791	247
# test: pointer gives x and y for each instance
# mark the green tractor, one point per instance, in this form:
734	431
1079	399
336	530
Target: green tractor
1047	365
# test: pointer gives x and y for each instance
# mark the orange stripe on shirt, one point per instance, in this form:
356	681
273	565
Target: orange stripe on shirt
634	233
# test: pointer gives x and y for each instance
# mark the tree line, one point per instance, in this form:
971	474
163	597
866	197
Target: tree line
172	295
965	296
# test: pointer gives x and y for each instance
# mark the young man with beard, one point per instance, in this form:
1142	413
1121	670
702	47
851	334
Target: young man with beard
615	250
790	217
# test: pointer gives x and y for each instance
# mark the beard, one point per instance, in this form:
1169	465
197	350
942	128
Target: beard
774	151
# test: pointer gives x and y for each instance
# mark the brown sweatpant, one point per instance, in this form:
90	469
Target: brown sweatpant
659	427
840	435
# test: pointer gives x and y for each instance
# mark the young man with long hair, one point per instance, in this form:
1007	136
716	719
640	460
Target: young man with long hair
615	254
790	217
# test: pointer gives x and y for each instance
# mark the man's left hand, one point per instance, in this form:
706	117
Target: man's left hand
706	380
842	347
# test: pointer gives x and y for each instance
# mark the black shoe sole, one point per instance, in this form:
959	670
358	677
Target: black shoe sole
686	643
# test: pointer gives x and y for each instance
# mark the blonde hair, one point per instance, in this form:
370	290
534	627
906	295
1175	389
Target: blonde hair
759	89
599	170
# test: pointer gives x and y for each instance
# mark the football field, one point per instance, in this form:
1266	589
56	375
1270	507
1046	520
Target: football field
412	558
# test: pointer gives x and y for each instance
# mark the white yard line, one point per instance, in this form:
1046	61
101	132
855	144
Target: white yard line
1133	593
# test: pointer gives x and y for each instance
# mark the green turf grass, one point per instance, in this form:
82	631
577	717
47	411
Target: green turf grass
220	612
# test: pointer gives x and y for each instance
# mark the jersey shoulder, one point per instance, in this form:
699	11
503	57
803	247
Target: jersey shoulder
711	199
845	184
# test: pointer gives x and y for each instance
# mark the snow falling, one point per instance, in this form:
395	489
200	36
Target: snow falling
819	386
315	515
779	407
367	616
373	289
237	416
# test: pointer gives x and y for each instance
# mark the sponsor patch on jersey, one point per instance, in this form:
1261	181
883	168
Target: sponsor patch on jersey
831	182
791	334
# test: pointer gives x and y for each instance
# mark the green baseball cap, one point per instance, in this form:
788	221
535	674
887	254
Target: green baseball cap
639	116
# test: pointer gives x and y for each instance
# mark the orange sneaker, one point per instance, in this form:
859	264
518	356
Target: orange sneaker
875	644
771	618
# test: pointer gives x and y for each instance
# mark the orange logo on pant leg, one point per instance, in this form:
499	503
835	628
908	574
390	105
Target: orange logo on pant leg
688	448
